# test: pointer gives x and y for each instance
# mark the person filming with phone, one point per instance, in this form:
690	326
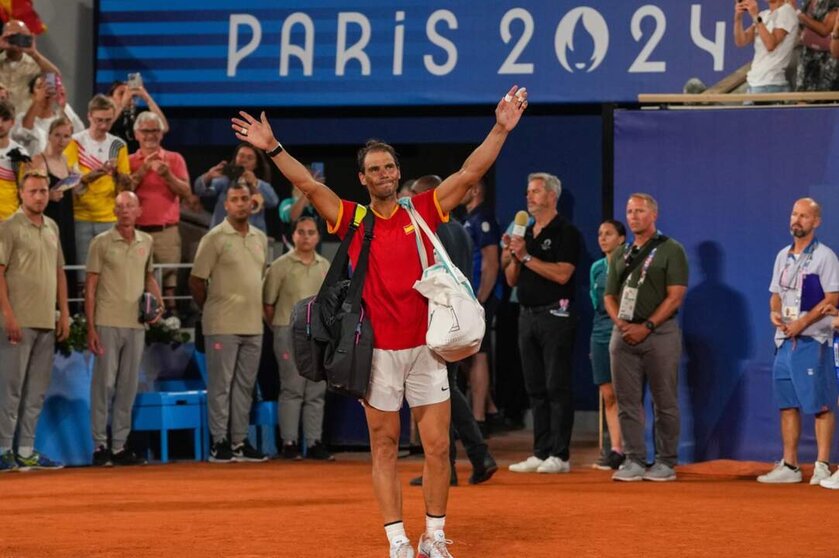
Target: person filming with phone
20	61
125	95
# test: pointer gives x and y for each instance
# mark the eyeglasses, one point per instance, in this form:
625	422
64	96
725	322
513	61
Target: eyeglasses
149	131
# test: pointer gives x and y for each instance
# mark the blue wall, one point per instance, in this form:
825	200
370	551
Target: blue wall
725	181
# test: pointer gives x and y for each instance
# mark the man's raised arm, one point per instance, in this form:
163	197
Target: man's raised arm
507	114
259	134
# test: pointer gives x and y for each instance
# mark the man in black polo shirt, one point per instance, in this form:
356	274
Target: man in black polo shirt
541	264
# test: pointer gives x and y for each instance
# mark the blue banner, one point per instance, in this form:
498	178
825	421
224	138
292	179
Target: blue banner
405	52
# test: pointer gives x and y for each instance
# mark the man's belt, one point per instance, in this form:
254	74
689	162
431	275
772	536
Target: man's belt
538	309
155	228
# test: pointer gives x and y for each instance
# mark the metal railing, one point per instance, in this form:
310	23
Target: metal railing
158	275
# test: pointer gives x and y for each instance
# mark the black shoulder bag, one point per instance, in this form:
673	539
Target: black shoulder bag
332	338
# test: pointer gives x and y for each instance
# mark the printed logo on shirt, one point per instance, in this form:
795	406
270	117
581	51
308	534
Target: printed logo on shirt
546	244
485	226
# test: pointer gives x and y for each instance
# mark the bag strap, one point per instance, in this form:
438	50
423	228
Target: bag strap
353	300
338	267
640	257
423	255
440	254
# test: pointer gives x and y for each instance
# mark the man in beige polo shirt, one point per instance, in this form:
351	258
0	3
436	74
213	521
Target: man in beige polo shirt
32	281
119	270
291	278
226	283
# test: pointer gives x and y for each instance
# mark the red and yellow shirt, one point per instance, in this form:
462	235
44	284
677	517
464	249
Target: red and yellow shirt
398	313
97	202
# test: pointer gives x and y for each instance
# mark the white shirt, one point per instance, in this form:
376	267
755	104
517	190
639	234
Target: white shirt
768	68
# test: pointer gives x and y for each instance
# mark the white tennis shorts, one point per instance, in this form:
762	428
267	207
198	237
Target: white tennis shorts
416	374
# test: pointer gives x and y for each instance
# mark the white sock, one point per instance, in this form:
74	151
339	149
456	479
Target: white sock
396	532
434	524
25	451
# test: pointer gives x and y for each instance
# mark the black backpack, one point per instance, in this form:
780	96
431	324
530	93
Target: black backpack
332	338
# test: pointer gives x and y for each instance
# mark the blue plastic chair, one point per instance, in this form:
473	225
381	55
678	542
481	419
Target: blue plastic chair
171	410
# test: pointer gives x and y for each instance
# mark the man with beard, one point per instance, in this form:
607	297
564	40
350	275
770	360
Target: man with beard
805	280
403	365
32	281
645	286
226	283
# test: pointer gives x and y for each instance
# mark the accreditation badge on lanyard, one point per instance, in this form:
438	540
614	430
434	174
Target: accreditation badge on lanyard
791	281
630	294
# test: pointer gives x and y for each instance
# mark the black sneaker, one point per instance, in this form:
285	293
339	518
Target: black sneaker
126	457
291	451
102	457
244	452
221	452
318	451
485	471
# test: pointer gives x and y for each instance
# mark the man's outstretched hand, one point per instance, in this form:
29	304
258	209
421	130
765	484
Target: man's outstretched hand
258	133
510	108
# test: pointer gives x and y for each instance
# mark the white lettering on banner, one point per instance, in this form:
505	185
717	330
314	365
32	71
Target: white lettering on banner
442	42
594	24
306	53
511	65
234	55
715	48
356	51
398	43
516	28
642	63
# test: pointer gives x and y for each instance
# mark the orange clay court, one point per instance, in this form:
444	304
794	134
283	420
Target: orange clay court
306	509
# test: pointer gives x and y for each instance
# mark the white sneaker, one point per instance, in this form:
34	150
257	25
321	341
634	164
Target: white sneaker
401	547
831	483
781	474
820	472
529	465
435	546
554	464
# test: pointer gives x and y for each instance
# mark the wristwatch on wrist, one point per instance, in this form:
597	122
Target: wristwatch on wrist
649	325
526	259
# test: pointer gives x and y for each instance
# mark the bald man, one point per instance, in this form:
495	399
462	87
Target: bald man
119	270
805	279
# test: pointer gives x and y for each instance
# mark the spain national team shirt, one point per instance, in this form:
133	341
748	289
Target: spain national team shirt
97	202
8	182
398	313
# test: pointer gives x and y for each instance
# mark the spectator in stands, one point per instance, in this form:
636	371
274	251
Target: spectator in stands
32	286
805	279
456	241
54	163
817	69
645	287
119	271
252	168
125	97
542	264
48	102
834	39
773	32
226	283
292	277
20	63
160	179
4	92
9	162
484	231
610	236
102	159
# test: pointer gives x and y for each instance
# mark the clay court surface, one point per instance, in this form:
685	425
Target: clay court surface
327	510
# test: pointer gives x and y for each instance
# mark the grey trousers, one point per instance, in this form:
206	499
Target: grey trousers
232	366
655	360
114	384
25	372
296	393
